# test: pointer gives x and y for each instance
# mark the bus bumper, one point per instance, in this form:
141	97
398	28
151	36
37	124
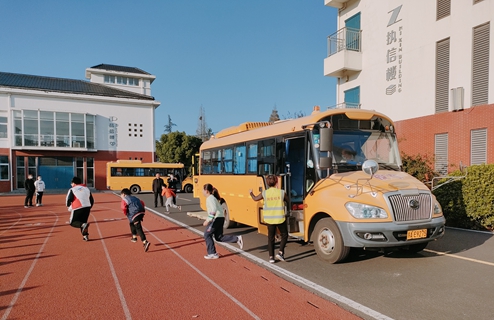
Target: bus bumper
390	234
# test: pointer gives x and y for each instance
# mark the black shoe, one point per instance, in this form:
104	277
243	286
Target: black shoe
85	237
146	246
133	239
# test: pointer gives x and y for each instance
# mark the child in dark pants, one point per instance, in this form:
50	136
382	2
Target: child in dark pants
134	209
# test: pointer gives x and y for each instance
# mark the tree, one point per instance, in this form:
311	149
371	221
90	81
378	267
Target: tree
169	126
177	147
274	115
202	131
298	114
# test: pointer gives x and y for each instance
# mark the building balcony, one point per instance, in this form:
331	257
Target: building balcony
335	3
344	53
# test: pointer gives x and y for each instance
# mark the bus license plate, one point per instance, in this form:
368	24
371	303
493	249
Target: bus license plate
416	234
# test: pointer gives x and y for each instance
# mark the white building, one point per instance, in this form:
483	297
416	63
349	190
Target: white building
424	63
60	128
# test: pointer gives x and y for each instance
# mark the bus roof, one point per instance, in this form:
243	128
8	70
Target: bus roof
257	130
139	164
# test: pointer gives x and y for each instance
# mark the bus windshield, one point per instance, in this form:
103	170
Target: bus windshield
351	149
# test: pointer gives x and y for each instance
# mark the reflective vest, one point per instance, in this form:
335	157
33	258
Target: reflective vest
274	210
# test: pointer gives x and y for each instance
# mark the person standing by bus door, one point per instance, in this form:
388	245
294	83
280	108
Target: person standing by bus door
79	201
214	223
158	185
274	215
40	188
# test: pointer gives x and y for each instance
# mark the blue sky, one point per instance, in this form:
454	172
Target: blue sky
236	59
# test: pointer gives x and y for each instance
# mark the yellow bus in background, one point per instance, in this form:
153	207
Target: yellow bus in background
365	201
138	176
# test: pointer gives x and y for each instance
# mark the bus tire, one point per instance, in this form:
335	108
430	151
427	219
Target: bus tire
228	223
188	188
328	242
135	188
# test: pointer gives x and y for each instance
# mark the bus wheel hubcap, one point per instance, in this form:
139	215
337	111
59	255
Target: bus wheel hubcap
326	241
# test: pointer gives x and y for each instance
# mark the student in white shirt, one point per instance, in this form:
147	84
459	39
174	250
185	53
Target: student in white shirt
40	187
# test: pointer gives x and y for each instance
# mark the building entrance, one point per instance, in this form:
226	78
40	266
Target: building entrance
56	171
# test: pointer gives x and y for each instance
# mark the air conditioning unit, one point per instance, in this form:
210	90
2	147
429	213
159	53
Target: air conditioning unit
457	99
76	144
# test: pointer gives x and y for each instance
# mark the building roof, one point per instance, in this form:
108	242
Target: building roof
111	67
31	82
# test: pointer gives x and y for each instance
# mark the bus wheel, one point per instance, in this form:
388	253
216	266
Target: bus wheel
135	188
227	224
188	188
328	241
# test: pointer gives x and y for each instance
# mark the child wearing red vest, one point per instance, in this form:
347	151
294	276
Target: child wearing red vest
169	194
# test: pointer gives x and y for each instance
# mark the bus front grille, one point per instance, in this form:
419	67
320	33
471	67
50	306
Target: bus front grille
411	208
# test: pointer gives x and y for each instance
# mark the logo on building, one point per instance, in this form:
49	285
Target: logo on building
112	131
394	51
391	89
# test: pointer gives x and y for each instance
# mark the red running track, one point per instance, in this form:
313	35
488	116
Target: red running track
49	272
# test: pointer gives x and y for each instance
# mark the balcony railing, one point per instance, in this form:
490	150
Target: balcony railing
343	105
344	39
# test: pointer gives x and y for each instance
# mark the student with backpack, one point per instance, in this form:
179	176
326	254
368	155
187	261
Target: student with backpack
134	209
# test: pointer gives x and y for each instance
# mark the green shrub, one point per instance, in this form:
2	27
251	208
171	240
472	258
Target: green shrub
468	202
478	191
419	166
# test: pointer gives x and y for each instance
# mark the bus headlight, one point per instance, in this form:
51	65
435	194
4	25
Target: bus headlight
364	211
438	211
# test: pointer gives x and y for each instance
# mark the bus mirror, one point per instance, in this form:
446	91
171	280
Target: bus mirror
370	167
326	143
325	162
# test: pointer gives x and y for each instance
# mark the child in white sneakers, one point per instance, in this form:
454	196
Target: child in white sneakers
169	194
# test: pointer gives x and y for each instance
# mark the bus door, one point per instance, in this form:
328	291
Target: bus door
294	181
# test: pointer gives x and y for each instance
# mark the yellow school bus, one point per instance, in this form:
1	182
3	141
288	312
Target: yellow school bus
138	176
336	202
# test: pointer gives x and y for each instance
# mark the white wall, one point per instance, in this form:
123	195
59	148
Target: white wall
120	111
420	32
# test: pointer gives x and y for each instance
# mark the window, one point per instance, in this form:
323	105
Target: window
252	158
480	64
478	146
267	159
352	98
206	162
4	168
441	153
239	160
443	9
216	161
121	80
53	129
3	125
442	75
228	160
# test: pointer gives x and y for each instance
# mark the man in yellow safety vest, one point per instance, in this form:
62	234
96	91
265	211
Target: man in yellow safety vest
273	215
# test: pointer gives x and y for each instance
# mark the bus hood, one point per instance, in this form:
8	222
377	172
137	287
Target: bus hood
383	180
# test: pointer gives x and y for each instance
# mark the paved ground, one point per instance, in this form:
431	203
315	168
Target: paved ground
48	272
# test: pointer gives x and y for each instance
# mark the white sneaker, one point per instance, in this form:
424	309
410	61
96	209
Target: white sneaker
240	242
38	205
211	256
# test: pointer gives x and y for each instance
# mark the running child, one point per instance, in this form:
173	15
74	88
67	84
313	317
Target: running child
134	209
169	194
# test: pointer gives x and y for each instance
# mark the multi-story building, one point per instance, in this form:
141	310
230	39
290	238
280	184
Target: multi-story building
426	64
60	128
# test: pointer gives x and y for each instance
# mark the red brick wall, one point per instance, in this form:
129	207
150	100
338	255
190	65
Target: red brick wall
416	136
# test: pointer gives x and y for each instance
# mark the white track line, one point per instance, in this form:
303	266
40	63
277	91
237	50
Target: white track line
295	278
217	286
188	263
26	277
13	224
114	274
